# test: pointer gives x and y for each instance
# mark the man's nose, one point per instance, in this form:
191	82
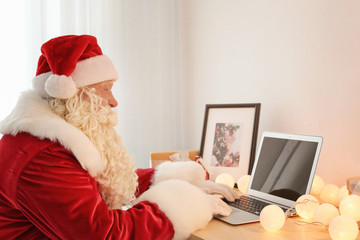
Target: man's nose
112	101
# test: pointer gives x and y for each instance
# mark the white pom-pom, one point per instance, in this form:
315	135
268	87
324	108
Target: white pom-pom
60	86
39	84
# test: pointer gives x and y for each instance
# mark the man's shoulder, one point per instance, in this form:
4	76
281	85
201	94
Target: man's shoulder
26	142
17	150
23	153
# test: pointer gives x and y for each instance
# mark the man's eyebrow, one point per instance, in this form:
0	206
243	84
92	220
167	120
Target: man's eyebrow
107	84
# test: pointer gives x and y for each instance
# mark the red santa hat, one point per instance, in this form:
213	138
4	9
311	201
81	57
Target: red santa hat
68	62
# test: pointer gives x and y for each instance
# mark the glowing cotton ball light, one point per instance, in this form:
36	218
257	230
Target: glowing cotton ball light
343	227
325	213
306	205
317	185
272	218
343	192
225	178
350	206
329	194
243	183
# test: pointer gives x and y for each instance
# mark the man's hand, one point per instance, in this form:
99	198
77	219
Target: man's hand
219	206
211	187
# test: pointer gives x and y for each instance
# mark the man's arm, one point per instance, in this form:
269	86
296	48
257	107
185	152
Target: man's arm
145	179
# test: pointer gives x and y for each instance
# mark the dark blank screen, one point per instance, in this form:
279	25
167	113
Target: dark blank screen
284	167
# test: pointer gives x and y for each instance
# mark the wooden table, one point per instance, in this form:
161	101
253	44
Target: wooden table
219	230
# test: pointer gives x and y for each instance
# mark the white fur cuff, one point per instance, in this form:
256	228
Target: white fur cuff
189	171
186	206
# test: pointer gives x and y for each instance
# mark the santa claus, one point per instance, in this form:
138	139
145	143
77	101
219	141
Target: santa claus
65	174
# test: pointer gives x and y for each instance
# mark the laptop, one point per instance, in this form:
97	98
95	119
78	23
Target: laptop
283	170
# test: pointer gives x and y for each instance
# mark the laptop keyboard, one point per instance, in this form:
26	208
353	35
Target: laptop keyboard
250	204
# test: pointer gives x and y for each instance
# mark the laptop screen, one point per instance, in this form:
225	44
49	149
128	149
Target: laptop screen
284	167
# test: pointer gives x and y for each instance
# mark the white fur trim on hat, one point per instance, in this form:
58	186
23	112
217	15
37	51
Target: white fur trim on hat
189	171
89	71
93	70
186	206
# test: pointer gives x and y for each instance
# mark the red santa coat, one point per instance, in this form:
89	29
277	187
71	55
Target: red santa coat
48	190
45	193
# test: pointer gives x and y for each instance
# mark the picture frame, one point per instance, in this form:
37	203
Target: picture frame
229	138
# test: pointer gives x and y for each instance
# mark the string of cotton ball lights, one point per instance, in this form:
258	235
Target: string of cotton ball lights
242	182
340	227
338	211
328	205
305	207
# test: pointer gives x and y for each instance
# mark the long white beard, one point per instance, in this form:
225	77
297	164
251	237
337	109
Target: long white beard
118	183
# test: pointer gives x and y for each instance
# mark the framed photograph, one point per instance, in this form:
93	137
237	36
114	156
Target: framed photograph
229	138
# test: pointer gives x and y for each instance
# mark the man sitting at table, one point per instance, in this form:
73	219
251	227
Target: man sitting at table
65	174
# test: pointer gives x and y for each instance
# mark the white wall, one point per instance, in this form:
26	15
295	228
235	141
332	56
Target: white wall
13	59
299	59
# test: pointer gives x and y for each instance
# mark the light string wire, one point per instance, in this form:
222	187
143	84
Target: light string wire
299	222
